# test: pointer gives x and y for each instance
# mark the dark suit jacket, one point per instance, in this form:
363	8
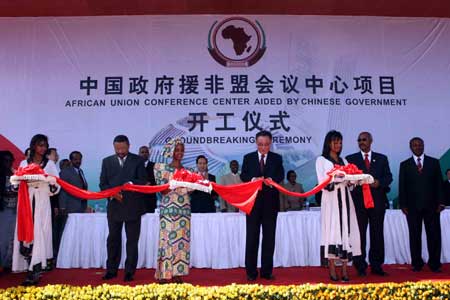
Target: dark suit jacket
66	201
447	193
150	202
202	202
273	169
420	190
379	169
112	175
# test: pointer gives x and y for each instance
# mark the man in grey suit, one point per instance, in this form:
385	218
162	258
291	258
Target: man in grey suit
69	204
124	207
75	176
229	179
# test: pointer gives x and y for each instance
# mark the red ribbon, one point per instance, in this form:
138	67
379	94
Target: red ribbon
241	195
349	169
25	232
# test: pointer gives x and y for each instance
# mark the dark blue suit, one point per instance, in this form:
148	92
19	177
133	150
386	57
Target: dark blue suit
421	194
264	212
379	169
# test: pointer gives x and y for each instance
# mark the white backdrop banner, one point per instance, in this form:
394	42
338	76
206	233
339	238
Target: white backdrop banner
217	80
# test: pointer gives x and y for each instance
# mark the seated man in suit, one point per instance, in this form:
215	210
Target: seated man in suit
230	179
447	188
150	203
290	203
74	175
69	204
202	202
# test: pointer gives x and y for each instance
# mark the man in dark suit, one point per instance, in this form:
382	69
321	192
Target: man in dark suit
420	198
262	164
150	203
202	202
124	207
377	165
447	188
75	176
69	204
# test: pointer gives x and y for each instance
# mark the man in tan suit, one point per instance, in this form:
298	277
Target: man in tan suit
229	179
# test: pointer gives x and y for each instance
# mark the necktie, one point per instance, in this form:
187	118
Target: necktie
83	180
261	164
419	165
121	162
366	161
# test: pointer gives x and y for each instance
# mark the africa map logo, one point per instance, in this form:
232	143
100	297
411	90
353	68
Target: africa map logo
236	42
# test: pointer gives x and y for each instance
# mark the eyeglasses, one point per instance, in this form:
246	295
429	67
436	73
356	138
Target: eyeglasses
263	145
362	140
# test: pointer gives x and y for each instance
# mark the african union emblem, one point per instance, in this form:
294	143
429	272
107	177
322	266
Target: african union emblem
236	42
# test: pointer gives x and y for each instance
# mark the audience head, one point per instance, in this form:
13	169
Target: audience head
38	146
263	141
417	146
64	163
121	145
202	163
27	152
7	160
144	152
53	155
76	158
234	166
291	176
365	141
332	143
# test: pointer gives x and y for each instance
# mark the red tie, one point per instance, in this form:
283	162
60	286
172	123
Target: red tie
366	161
419	165
261	164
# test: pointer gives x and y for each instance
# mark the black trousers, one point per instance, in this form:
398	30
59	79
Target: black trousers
114	244
373	217
432	222
58	224
267	218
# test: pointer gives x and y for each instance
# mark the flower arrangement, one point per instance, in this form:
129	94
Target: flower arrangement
406	290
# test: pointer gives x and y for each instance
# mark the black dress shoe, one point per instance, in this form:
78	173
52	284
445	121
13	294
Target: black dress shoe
31	279
345	279
268	277
362	273
417	269
379	272
251	278
437	270
109	275
128	277
334	278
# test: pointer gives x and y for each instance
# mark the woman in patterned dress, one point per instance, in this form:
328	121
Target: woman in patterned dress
175	217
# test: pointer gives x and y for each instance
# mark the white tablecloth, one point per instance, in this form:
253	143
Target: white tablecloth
218	240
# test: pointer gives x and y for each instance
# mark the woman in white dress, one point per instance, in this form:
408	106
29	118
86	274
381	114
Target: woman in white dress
339	226
34	256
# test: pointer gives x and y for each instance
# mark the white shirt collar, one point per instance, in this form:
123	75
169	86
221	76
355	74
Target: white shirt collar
421	158
265	157
123	159
369	156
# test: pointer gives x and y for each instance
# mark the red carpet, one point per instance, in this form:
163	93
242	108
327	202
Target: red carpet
209	277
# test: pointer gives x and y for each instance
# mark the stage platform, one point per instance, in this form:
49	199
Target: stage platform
211	277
